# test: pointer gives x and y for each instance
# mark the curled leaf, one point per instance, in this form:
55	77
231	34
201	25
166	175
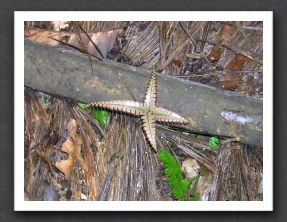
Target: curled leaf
72	146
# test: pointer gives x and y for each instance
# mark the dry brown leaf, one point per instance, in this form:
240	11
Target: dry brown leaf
226	35
104	40
66	166
227	80
72	146
237	63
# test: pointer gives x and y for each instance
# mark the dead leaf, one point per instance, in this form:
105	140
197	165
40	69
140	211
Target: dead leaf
237	63
72	146
228	80
104	40
226	36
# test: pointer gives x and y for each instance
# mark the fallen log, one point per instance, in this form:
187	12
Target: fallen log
210	111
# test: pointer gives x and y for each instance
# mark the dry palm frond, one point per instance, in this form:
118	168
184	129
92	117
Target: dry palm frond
99	26
121	165
36	132
61	115
238	175
133	171
168	47
140	48
161	43
36	118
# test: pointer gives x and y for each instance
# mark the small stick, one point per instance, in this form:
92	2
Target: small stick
194	43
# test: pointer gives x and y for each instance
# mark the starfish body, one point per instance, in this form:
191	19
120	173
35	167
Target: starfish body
148	111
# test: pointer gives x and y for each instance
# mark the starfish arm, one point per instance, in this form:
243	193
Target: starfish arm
149	128
127	106
150	95
167	116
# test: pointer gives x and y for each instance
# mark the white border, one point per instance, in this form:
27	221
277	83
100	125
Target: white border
265	205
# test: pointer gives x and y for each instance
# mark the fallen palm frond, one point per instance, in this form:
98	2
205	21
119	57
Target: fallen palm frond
118	162
238	175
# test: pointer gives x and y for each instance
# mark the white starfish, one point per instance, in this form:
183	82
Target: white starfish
148	111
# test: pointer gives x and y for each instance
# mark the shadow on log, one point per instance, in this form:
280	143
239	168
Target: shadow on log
210	111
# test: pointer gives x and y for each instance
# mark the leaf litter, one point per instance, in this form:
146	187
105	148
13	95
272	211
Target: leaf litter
117	167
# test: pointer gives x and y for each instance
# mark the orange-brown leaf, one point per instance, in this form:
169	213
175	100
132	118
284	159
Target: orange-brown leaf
226	36
72	146
104	40
66	166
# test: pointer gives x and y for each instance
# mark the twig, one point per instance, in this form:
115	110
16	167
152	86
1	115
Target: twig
75	47
194	43
83	30
121	27
82	44
247	71
236	50
252	28
239	26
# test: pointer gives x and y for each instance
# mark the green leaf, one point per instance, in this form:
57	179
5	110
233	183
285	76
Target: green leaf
46	99
175	179
178	129
101	115
35	110
83	105
194	195
174	174
205	150
213	142
35	161
193	135
164	139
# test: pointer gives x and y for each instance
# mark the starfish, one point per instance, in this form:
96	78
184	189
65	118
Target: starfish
147	109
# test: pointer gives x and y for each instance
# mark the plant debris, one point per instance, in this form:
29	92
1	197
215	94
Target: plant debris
70	156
